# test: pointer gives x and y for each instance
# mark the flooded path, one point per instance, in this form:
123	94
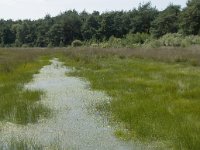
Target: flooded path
71	126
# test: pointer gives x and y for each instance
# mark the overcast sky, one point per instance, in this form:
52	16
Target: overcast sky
34	9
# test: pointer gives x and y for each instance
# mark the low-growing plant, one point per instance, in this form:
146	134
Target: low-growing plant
77	43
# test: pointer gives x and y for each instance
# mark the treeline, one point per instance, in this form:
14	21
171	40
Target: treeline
63	29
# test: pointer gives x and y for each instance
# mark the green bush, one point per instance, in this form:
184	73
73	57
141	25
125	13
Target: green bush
153	44
25	46
77	43
175	40
50	45
115	42
94	45
194	39
185	43
137	38
171	39
104	45
146	41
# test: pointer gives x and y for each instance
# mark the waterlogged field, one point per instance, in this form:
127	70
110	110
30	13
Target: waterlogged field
71	126
156	101
153	99
16	103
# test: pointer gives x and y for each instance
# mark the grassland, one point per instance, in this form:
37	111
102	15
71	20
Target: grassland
18	105
155	92
155	100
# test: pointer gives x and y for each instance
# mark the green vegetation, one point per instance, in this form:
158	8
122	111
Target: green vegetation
189	18
147	61
30	145
155	92
23	145
143	40
77	43
62	30
156	101
175	40
18	105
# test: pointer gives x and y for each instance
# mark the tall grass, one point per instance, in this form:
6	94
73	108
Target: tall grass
190	55
156	101
18	105
29	144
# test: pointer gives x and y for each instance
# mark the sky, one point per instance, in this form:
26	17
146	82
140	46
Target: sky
35	9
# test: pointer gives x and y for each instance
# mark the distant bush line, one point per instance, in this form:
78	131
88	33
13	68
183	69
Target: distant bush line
144	26
142	40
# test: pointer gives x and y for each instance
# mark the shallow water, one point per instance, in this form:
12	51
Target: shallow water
71	126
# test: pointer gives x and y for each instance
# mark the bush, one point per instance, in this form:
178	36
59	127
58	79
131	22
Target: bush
185	43
104	45
154	44
175	40
25	45
77	43
94	45
115	42
146	41
171	39
195	39
50	45
137	38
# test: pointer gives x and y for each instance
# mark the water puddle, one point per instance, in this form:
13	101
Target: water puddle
71	126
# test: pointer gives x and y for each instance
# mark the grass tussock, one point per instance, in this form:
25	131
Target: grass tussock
156	101
17	66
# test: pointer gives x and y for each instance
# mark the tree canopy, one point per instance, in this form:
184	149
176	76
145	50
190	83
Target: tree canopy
71	25
166	21
190	18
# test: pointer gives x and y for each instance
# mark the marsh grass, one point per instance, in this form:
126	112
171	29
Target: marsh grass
23	145
164	54
18	105
155	92
156	101
29	144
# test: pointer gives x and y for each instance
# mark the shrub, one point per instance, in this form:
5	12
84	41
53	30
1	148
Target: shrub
61	44
104	45
171	39
77	43
185	43
115	42
177	40
146	41
18	43
195	39
25	46
50	45
137	38
94	45
154	44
